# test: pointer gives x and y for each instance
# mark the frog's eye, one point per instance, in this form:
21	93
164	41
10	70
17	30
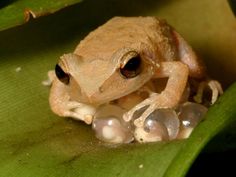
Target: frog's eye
61	75
132	68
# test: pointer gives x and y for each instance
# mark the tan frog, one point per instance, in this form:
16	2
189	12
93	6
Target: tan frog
119	58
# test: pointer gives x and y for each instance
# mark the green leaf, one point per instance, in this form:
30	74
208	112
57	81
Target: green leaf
16	12
219	117
35	142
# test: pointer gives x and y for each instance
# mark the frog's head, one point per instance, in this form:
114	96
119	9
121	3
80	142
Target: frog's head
98	81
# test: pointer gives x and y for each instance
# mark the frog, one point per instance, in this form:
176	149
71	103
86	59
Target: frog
120	58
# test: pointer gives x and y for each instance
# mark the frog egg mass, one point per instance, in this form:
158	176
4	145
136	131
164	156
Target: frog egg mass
161	125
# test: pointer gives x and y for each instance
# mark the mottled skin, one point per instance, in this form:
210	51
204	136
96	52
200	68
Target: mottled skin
94	67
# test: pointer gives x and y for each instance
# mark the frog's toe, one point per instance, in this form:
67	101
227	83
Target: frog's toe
128	116
139	122
216	89
88	118
79	111
71	105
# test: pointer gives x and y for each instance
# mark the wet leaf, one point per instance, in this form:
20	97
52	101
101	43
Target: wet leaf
218	118
35	142
16	12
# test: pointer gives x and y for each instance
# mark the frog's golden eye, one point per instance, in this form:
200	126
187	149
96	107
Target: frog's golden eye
132	68
61	75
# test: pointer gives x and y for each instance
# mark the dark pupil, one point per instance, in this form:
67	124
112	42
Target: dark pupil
61	75
132	67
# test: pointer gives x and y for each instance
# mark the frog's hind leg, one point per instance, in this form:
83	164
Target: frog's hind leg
215	88
196	69
177	72
189	57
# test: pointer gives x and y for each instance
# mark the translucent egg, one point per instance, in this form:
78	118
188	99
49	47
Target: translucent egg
168	118
156	132
162	124
190	114
110	127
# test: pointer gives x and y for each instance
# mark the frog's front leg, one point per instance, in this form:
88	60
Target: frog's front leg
61	104
177	72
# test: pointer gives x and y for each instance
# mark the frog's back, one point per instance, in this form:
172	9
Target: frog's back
122	32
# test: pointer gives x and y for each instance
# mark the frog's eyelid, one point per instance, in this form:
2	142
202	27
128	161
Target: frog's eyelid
132	68
122	56
127	57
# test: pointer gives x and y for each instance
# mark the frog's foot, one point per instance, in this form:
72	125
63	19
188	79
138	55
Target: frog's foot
215	88
139	122
78	111
155	101
128	116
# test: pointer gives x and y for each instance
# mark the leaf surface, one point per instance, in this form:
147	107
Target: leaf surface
35	142
16	12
